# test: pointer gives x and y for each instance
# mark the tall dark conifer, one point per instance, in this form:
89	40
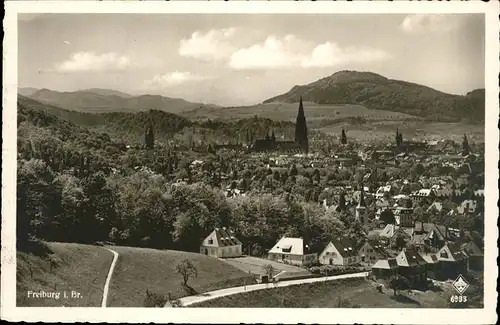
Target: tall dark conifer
149	138
301	128
343	138
465	146
342	203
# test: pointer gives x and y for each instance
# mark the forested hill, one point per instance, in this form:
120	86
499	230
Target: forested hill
97	100
377	92
129	126
127	122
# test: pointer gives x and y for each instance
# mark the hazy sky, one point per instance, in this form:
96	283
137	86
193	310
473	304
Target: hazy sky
245	59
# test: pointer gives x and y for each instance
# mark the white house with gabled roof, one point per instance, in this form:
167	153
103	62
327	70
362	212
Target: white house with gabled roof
339	252
290	250
221	243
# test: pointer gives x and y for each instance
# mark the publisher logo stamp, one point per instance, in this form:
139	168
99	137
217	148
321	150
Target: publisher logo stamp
460	284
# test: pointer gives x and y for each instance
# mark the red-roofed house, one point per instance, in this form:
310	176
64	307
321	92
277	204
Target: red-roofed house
221	243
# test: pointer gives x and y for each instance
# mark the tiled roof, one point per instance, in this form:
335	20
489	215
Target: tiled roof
386	264
378	248
430	258
226	237
409	258
290	245
471	249
345	247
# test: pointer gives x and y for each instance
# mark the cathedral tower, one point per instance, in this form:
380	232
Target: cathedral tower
301	129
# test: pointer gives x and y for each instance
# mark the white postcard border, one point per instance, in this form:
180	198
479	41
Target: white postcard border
219	315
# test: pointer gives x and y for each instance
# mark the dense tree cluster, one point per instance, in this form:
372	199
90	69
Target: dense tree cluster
75	185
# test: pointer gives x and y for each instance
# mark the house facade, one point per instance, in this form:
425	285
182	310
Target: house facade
221	243
294	251
412	266
385	268
371	252
339	252
454	261
429	237
475	254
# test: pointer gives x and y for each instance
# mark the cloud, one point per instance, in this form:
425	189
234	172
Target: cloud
174	79
420	23
212	45
292	52
330	54
272	53
90	61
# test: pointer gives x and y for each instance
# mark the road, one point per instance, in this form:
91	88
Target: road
187	301
108	279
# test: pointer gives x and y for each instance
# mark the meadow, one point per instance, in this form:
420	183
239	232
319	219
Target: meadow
348	293
62	267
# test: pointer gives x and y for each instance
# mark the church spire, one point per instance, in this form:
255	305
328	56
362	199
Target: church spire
301	128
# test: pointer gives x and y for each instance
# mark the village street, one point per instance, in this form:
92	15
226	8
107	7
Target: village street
187	301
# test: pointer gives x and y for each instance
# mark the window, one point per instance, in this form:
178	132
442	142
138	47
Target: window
210	241
444	254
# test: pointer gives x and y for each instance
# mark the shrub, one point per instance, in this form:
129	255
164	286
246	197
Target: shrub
154	299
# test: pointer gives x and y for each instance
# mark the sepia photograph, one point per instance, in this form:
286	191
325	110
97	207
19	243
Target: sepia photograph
262	160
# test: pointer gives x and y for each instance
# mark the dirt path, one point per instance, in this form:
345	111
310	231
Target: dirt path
108	279
186	301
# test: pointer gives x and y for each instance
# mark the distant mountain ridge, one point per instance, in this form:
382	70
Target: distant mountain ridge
27	91
106	92
378	92
96	100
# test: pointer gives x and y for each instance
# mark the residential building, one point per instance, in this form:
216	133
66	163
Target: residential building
403	216
467	206
371	252
429	237
412	266
221	243
385	268
291	250
423	194
391	232
339	252
453	261
475	254
433	265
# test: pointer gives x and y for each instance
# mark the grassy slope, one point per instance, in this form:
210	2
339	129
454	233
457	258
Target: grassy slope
288	112
414	129
327	294
328	118
141	269
81	268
